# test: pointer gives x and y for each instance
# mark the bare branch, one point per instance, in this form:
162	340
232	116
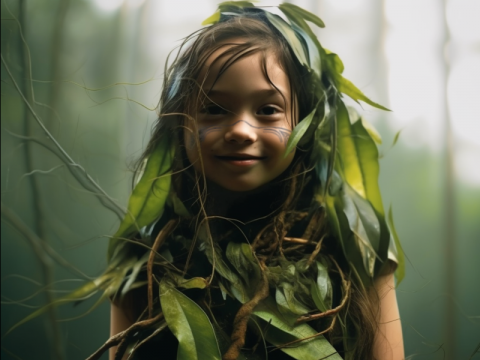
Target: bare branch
77	170
121	336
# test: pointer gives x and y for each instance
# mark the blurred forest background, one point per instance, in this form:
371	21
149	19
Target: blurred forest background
91	71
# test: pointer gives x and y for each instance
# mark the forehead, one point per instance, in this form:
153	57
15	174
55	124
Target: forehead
235	57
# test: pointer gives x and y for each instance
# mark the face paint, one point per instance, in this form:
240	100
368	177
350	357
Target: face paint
245	126
281	132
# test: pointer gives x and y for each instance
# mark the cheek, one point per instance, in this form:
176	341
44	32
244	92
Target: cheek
191	147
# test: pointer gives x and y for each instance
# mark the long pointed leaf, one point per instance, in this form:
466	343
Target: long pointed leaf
302	13
290	36
346	86
190	325
322	289
400	272
298	132
148	199
83	292
359	156
280	332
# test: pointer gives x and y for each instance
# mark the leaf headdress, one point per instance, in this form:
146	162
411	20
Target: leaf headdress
343	153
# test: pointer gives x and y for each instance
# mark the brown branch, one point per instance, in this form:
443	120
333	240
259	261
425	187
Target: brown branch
330	328
315	252
162	235
242	317
346	285
79	173
155	333
298	241
330	312
118	338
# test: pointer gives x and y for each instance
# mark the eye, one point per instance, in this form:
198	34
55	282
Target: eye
213	109
268	110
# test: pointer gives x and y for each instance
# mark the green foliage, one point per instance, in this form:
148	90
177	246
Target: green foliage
355	209
288	33
298	132
190	325
148	199
280	333
348	88
321	290
301	14
400	272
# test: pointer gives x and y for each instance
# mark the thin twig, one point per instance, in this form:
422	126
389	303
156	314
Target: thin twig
155	333
117	339
80	174
330	328
298	241
162	235
346	285
315	252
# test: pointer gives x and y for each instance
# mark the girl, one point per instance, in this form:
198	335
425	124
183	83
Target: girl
256	228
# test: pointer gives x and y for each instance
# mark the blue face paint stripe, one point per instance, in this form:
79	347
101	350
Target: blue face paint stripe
282	133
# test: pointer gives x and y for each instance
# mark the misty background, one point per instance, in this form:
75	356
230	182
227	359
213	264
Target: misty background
91	70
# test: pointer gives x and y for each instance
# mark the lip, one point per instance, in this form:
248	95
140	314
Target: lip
240	159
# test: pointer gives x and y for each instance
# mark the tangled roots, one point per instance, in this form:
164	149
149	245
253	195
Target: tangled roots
243	315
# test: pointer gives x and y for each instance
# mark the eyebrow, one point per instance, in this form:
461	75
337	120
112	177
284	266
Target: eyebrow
263	92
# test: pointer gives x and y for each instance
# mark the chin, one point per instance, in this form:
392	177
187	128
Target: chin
240	187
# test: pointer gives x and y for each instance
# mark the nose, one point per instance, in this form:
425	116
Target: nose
240	132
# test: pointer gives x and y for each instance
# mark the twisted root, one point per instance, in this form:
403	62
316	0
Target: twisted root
242	317
162	235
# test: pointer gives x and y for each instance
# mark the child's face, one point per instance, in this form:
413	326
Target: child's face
244	124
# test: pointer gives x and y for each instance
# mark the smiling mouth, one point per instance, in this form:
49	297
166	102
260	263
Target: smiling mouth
240	158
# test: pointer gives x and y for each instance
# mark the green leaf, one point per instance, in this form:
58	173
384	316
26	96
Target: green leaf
280	332
298	132
314	57
241	257
322	289
287	302
294	9
214	256
400	271
374	134
359	158
193	283
341	228
346	86
135	271
178	206
147	202
297	17
289	35
190	325
212	19
396	137
364	225
238	4
334	62
82	293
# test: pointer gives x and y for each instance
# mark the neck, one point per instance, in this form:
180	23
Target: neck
242	205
